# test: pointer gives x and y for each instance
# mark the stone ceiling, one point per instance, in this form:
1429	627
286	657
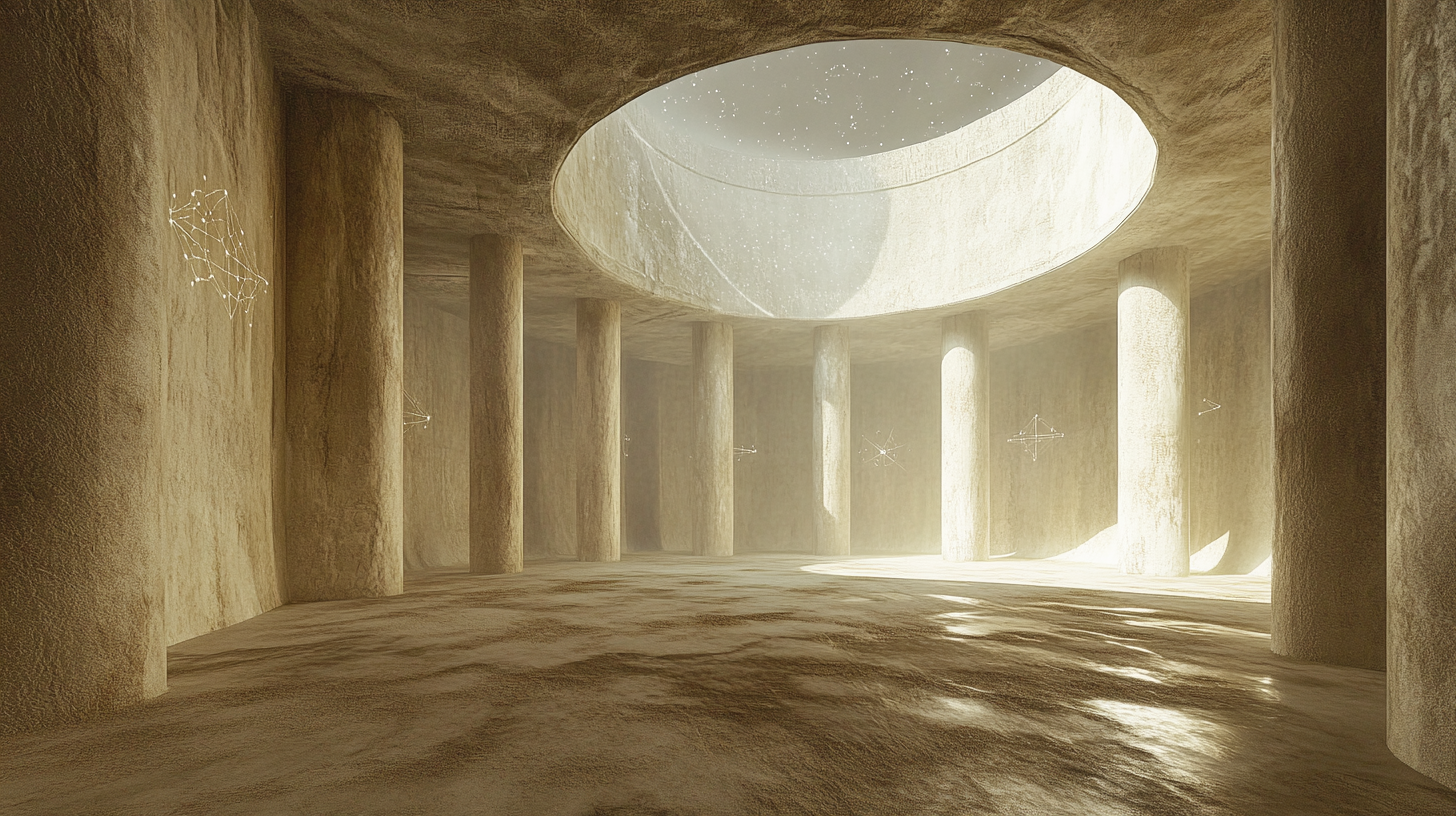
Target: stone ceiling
492	95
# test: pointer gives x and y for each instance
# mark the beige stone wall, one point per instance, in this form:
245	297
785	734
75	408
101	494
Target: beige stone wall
550	452
895	506
1068	494
1068	497
773	489
1065	500
437	455
222	462
675	445
1232	485
641	461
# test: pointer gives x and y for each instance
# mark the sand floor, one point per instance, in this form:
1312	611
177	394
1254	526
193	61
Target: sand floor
668	684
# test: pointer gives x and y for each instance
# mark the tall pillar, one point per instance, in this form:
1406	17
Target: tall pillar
1328	318
81	356
965	438
1152	412
1421	427
713	438
831	441
345	349
496	409
598	430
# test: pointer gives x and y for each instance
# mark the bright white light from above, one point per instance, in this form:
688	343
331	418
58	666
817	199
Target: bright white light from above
757	196
840	100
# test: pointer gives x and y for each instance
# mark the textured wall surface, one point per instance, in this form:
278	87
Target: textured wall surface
82	309
773	494
490	123
223	465
1063	501
1068	495
675	446
1067	498
437	455
1328	307
896	504
1422	421
1231	483
345	349
641	465
549	468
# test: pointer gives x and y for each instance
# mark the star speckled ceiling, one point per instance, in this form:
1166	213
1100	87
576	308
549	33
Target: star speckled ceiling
840	100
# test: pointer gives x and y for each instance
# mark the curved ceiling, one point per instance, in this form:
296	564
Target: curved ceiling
1006	198
492	96
838	100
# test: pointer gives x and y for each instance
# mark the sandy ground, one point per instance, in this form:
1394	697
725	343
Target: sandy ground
755	685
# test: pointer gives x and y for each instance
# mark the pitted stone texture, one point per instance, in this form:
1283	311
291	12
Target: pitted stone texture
713	477
1422	398
82	349
598	429
221	111
493	96
345	350
1152	412
1328	320
497	420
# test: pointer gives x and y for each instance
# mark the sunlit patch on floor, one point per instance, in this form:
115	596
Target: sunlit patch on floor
776	688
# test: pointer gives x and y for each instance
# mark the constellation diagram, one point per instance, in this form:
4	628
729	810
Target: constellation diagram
214	249
881	451
739	452
1209	407
414	415
1036	434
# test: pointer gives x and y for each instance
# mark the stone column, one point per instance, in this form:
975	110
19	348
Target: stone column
82	352
1421	427
832	444
965	439
345	349
1327	304
712	439
496	410
598	420
1152	412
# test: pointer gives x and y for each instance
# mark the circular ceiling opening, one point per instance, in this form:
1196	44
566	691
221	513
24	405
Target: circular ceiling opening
761	187
841	100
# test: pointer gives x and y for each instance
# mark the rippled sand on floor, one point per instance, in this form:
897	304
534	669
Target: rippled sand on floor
669	684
